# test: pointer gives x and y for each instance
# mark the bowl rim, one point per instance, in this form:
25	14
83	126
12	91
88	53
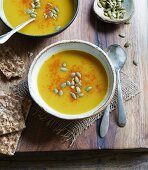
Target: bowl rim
75	116
116	21
53	34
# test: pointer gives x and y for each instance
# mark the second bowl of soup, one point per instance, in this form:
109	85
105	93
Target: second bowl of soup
72	79
51	16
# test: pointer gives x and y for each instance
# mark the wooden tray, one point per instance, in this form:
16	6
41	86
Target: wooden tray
37	137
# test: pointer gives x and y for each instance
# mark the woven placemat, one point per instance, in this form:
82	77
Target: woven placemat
70	130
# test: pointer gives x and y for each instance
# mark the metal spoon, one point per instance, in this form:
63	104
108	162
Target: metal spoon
118	57
5	37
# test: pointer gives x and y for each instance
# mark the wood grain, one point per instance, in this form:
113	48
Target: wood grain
37	137
86	160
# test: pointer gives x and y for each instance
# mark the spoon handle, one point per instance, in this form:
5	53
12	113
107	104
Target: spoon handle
105	122
5	37
121	111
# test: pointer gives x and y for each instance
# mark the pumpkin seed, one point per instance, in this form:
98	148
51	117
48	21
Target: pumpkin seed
122	35
78	90
32	5
127	44
73	95
50	14
58	29
63	85
55	15
68	83
80	94
64	64
32	15
63	69
88	88
56	9
73	75
72	87
78	74
135	62
79	84
60	93
72	83
76	79
56	91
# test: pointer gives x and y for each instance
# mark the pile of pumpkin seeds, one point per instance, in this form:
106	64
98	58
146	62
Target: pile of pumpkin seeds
53	13
35	5
74	83
112	8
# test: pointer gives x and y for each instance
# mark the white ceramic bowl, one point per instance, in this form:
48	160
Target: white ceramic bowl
71	45
127	4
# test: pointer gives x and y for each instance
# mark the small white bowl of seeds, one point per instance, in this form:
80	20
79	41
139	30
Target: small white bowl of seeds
114	11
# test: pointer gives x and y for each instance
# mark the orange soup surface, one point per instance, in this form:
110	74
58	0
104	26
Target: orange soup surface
66	94
16	12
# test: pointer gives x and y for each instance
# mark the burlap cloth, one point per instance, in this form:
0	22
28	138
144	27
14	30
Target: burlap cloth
70	130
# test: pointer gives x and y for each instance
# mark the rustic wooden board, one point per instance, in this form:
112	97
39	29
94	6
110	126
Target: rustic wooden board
37	137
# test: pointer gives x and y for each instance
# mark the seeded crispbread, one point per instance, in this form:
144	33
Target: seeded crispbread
9	142
11	116
11	65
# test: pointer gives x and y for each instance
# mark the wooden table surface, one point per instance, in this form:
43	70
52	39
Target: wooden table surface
87	27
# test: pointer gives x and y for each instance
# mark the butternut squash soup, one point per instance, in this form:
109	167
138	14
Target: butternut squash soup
72	82
51	15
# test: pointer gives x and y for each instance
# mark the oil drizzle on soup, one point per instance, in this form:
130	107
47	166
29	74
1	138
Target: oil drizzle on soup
50	77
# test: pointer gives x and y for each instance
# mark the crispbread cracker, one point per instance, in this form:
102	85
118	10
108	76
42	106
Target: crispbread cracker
11	65
9	142
11	116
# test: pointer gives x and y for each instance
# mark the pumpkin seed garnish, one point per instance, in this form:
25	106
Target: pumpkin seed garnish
64	65
35	4
127	44
63	69
68	83
56	9
72	87
76	79
78	74
56	91
122	35
88	88
63	85
73	95
50	14
32	15
53	13
73	75
61	93
72	83
78	90
80	94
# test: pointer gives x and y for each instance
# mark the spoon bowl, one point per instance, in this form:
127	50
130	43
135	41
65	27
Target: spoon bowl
117	55
127	4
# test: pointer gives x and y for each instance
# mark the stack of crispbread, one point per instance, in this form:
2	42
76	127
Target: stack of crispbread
13	113
13	109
